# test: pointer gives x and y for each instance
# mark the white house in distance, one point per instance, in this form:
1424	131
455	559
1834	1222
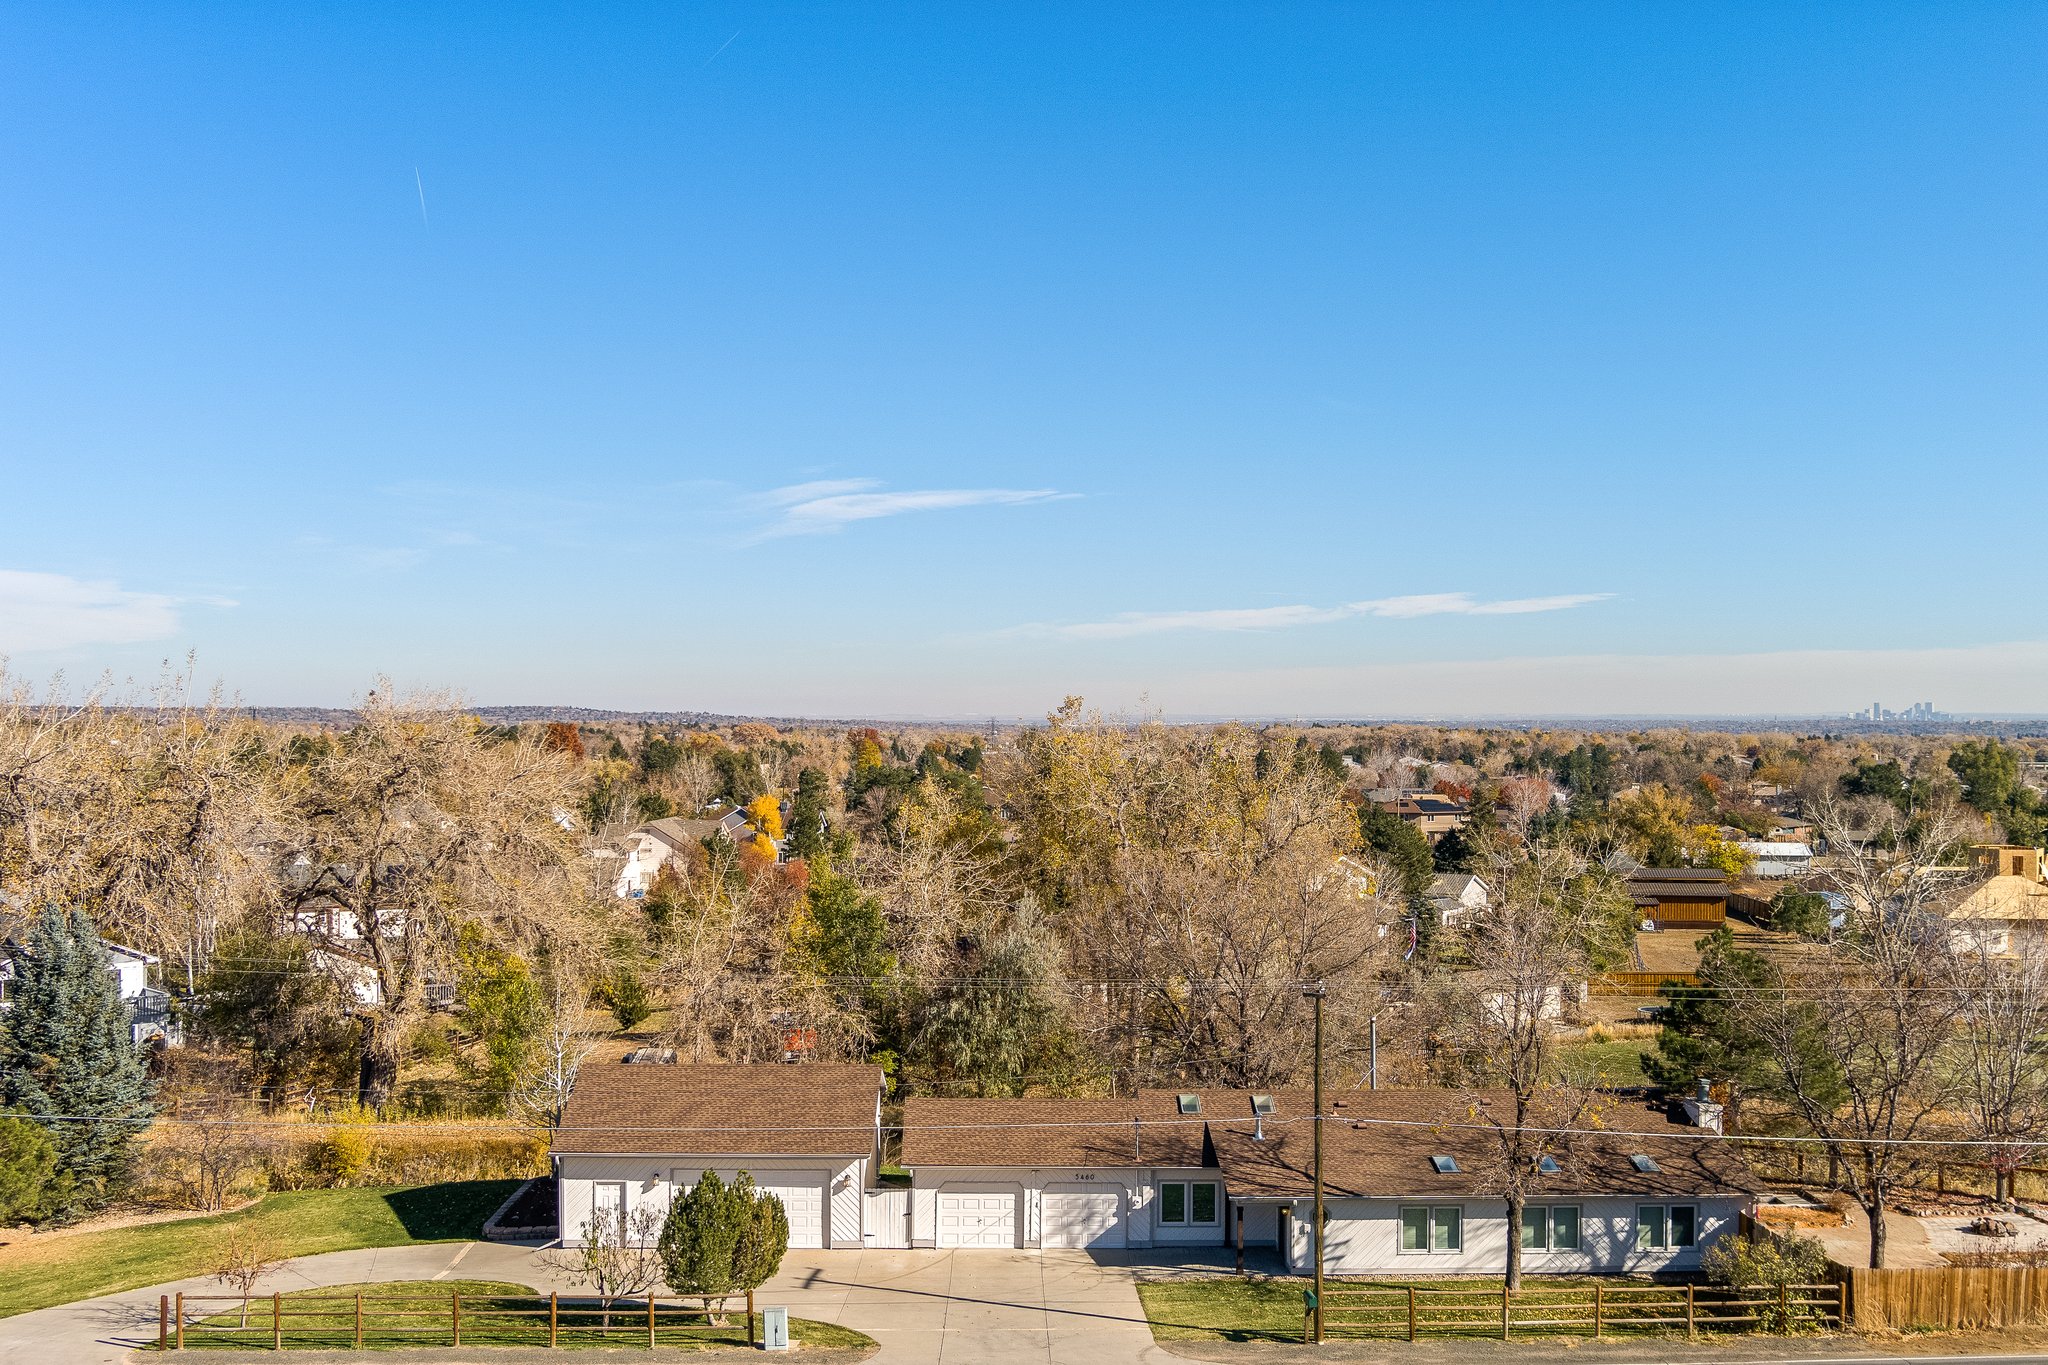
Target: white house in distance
149	1010
1778	858
1457	895
636	1134
654	845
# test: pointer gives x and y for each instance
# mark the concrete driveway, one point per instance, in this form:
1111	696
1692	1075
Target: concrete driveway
972	1306
924	1307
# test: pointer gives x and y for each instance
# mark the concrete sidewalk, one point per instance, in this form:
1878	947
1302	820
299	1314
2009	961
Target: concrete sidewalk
924	1307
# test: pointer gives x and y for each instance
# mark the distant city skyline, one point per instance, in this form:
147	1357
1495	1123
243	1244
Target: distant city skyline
949	360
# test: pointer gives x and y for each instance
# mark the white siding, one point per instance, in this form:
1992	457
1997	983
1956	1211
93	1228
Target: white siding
652	1180
887	1214
1363	1237
1140	1188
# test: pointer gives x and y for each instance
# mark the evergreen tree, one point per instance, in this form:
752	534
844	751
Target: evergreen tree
1707	1034
764	1241
66	1049
29	1182
807	815
700	1240
1401	844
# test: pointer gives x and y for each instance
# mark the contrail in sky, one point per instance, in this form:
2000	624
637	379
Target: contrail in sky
423	196
721	49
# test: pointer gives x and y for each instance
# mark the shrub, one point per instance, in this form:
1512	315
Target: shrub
721	1239
342	1156
1771	1262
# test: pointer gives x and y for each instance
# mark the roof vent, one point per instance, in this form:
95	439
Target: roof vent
1190	1104
1643	1163
1262	1104
1443	1165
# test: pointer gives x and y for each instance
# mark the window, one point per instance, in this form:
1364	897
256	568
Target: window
1182	1203
1550	1227
1665	1227
1189	1104
1644	1164
1262	1104
1547	1165
1443	1165
1437	1229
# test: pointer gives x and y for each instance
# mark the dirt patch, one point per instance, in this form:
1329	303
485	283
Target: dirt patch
1783	1218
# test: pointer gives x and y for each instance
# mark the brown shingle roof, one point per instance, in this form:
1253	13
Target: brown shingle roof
1382	1145
1147	1131
813	1109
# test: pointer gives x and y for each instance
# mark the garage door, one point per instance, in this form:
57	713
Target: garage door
802	1194
977	1218
1084	1216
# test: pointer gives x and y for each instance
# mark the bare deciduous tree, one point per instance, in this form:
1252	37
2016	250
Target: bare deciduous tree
1861	1028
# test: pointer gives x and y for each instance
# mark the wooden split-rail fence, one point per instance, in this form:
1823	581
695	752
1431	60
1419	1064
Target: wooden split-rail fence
334	1321
1414	1312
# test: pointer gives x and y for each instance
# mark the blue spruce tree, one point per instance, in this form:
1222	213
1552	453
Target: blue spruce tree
66	1049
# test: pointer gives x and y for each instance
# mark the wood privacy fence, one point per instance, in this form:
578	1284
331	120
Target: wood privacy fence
1945	1297
337	1321
1410	1312
1638	983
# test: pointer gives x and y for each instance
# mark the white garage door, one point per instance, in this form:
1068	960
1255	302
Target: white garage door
1084	1216
977	1218
802	1194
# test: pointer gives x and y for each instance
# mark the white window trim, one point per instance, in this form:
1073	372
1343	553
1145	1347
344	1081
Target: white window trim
1429	1213
1187	1205
1667	1244
1550	1212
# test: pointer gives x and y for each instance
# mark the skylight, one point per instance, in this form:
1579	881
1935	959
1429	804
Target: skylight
1443	1165
1262	1104
1643	1163
1190	1104
1548	1165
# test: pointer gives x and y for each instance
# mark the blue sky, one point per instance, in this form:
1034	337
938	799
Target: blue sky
899	359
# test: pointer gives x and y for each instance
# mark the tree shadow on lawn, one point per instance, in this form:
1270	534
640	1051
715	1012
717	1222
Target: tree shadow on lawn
450	1212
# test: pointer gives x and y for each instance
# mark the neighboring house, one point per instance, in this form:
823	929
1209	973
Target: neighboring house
1435	816
1686	897
149	1009
1792	829
1405	1191
1778	859
638	1133
654	846
2008	910
658	843
1456	895
1211	1167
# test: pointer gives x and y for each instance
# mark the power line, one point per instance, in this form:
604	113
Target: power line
1121	1126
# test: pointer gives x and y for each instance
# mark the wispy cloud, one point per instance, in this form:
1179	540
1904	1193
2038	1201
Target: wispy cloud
1133	623
807	509
54	611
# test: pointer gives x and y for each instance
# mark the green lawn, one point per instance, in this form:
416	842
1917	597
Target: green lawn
1226	1308
1617	1061
415	1314
39	1273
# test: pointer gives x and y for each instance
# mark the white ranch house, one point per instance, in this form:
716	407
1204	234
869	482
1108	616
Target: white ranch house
1162	1171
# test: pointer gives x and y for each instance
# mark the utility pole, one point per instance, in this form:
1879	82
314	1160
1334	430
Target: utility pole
1316	994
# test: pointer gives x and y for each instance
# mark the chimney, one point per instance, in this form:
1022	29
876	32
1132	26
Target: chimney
1702	1112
